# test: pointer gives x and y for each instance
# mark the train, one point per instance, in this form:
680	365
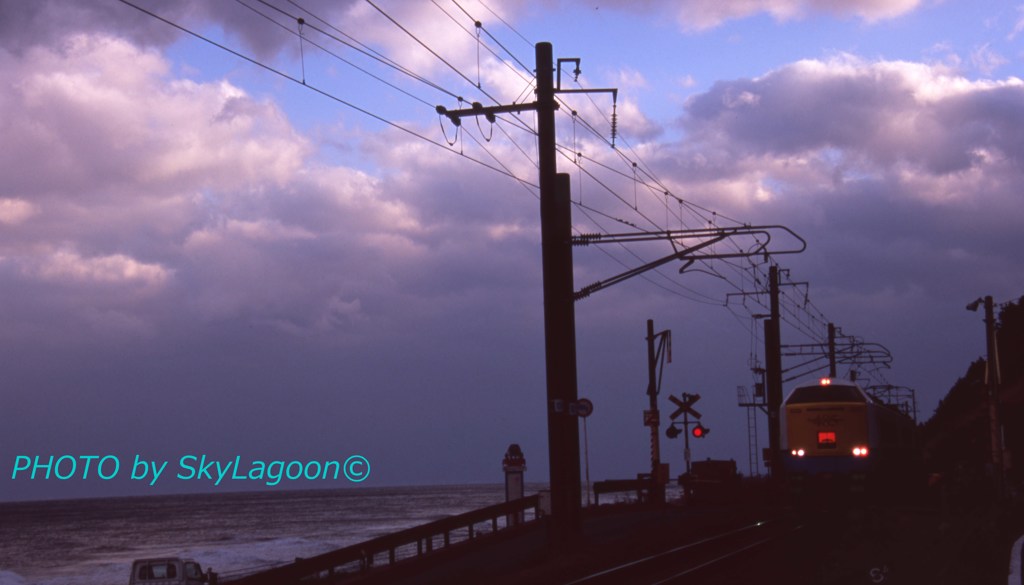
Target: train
838	435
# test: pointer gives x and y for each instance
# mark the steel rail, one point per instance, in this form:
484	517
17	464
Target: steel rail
663	554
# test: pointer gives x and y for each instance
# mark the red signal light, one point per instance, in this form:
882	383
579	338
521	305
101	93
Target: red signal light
700	431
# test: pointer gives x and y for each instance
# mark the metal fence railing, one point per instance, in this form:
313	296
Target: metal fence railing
404	544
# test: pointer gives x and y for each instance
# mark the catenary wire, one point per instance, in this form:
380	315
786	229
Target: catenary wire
322	92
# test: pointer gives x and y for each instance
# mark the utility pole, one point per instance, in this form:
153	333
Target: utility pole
992	386
992	379
559	311
831	350
992	367
838	349
773	373
560	359
653	386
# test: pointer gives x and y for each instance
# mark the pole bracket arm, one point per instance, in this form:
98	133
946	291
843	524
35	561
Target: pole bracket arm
489	112
706	237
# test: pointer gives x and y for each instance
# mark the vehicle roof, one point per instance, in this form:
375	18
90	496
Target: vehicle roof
827	390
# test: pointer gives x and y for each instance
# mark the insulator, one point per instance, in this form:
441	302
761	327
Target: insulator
615	125
585	239
586	291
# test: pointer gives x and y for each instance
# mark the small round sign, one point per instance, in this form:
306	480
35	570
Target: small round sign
584	407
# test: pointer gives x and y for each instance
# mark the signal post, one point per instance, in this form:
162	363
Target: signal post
685	408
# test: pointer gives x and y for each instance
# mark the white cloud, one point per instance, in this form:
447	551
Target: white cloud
15	211
697	15
265	230
110	164
630	79
222	190
100	125
1019	26
986	60
69	266
879	117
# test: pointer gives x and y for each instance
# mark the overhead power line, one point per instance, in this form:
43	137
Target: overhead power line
613	176
323	92
431	51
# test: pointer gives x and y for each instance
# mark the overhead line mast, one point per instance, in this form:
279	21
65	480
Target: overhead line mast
559	312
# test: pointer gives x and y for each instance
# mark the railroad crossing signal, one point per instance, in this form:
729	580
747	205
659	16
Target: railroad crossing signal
685	406
700	431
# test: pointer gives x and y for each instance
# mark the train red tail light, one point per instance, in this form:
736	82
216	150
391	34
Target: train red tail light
826	440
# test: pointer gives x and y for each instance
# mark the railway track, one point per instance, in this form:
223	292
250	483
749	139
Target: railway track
706	559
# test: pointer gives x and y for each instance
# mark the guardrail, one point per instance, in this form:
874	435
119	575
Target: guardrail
409	543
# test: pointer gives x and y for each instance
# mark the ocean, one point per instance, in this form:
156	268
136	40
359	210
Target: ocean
94	541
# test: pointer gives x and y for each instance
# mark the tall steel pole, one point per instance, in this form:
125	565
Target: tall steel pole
773	373
559	314
831	350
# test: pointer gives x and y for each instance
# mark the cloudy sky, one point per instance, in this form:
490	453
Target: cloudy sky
287	255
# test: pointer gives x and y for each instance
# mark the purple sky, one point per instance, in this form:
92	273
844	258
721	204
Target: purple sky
198	256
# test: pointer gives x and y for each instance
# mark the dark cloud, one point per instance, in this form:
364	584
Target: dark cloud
260	29
49	22
884	113
266	31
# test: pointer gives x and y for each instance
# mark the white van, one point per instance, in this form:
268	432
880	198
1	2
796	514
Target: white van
167	571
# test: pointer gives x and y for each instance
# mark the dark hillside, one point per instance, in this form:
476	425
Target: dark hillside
956	438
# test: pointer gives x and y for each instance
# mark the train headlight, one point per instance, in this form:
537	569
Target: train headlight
860	451
798	452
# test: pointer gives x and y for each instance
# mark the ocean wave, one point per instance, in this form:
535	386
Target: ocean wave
226	532
12	578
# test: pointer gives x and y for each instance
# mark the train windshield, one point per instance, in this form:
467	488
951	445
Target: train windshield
831	393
